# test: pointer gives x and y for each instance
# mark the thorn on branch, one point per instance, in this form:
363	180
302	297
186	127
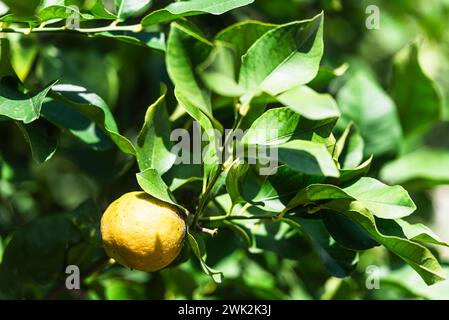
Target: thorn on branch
211	232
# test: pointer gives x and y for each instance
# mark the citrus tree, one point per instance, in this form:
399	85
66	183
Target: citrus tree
252	159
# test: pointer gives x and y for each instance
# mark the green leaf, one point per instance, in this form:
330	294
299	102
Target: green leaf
416	255
23	8
185	51
326	76
363	101
129	8
406	278
418	101
218	72
241	231
283	58
420	233
181	174
241	36
191	8
426	167
235	174
338	261
61	12
95	108
382	200
350	148
347	233
309	103
77	124
355	173
151	182
37	250
15	104
213	161
280	125
149	40
42	143
198	249
308	157
153	143
270	192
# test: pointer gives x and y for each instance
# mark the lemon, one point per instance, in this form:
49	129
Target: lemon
142	232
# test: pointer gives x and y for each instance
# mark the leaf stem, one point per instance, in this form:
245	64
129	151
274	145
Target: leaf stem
110	28
226	217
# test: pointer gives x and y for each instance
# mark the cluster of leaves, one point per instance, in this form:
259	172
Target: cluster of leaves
253	76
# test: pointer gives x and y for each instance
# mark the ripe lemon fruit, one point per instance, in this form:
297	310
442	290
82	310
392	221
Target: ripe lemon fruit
142	232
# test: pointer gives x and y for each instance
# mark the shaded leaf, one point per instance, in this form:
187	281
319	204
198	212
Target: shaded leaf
42	143
416	255
418	101
198	249
338	261
94	108
79	125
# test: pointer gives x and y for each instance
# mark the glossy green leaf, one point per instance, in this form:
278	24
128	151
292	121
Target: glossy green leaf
151	182
294	50
55	12
16	104
309	103
355	173
185	51
180	9
363	101
153	149
129	8
382	200
268	192
241	36
233	179
94	108
308	157
419	232
280	125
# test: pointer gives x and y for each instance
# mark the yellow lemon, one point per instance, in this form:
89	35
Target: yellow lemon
142	232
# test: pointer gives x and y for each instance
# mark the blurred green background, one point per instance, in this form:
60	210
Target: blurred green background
413	151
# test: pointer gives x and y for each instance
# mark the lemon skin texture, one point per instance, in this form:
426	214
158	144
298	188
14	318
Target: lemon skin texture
142	232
